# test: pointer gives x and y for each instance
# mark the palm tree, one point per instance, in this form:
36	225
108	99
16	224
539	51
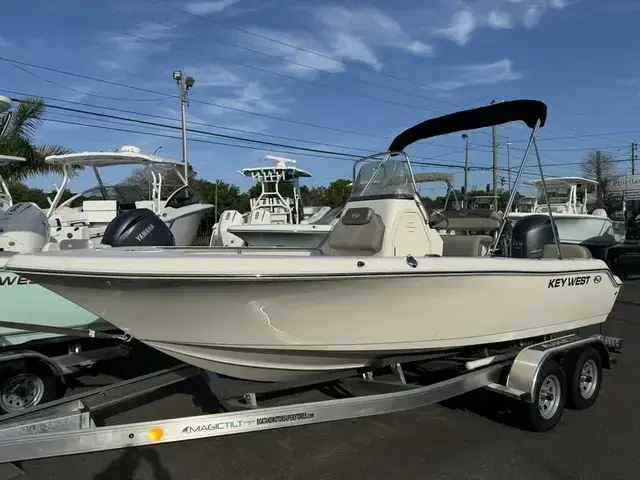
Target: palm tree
18	139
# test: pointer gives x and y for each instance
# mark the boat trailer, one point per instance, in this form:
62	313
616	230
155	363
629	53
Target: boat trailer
542	377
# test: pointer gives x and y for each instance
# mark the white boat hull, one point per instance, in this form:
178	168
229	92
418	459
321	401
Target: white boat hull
581	229
186	224
255	323
285	236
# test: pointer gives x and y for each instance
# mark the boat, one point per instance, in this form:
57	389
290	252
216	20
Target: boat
23	302
570	200
277	216
6	200
25	227
93	209
387	287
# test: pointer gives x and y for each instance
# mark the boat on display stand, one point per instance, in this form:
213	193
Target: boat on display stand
385	283
277	215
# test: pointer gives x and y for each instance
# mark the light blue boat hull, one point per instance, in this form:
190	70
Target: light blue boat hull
23	301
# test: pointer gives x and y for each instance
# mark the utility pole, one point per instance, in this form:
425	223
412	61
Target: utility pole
634	147
466	168
185	84
598	179
508	144
495	164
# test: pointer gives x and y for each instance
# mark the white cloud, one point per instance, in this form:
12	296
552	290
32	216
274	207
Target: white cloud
462	25
4	42
462	22
340	33
126	50
498	19
208	7
480	74
219	85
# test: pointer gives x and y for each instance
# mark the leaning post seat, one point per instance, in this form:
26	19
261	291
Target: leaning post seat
360	231
567	250
465	245
476	220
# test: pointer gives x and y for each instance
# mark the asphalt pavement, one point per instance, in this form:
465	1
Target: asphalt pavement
465	439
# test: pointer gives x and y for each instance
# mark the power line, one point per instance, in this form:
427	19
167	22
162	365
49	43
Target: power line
358	66
248	132
350	157
283	75
165	97
224	107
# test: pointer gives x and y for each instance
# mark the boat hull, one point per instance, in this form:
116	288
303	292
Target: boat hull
581	229
288	237
186	223
270	328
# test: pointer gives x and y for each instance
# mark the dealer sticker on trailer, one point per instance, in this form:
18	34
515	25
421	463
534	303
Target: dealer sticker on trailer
571	281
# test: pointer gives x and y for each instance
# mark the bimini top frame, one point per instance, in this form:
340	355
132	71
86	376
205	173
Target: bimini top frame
532	112
5	194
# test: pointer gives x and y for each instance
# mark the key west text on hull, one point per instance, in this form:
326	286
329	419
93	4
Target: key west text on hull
384	283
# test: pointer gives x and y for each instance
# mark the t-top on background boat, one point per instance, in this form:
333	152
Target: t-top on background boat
386	287
275	218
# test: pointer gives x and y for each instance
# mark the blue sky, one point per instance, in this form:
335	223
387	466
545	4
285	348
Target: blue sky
363	70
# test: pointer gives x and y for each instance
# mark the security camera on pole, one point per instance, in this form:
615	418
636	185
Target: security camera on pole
185	84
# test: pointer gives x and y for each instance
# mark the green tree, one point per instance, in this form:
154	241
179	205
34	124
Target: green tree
18	140
338	192
21	193
171	180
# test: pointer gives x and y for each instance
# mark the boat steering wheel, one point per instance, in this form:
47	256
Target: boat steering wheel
434	214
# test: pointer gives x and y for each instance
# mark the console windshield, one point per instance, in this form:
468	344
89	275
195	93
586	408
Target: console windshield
383	176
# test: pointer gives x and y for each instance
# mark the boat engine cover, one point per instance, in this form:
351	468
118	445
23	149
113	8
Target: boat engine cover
138	228
529	236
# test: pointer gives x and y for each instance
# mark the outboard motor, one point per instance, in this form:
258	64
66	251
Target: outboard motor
138	228
529	236
23	228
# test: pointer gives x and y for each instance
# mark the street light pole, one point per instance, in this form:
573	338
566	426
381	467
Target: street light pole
466	167
185	84
495	164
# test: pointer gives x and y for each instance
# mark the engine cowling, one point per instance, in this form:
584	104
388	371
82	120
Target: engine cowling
529	236
138	228
23	228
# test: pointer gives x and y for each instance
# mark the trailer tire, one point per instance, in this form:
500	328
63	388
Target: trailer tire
584	377
25	385
549	398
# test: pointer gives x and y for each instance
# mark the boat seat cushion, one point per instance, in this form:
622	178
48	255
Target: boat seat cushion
477	219
359	230
465	245
567	250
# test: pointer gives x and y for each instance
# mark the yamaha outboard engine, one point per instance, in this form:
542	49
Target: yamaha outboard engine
529	236
138	228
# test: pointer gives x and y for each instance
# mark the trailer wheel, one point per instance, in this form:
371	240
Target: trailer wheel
549	397
25	386
584	377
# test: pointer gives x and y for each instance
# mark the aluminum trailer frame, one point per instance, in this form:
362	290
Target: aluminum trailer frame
66	426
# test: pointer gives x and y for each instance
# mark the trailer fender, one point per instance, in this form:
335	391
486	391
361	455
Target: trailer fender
524	371
25	355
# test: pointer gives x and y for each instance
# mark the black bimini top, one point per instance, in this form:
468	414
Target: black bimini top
528	111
